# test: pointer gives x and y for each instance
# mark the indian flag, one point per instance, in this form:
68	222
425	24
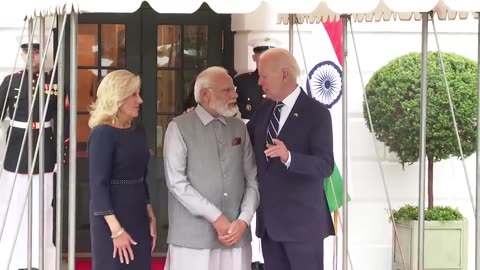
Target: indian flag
324	83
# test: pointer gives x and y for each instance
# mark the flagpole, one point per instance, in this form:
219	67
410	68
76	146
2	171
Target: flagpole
72	173
345	19
60	134
423	140
290	32
335	224
41	150
477	211
31	30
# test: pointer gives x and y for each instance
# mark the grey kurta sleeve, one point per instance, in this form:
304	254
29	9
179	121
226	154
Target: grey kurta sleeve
251	197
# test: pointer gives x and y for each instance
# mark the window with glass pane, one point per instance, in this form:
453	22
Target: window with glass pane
195	46
167	85
168	46
188	85
101	49
168	77
181	55
162	122
87	45
195	59
113	45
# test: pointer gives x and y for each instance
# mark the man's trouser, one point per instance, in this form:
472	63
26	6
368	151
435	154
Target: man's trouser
19	257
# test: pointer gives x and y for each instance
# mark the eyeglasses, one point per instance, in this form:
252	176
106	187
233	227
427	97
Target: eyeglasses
227	90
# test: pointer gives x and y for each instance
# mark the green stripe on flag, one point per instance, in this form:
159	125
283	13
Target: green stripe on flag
334	190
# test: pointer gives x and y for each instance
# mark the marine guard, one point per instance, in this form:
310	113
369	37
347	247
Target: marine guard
250	94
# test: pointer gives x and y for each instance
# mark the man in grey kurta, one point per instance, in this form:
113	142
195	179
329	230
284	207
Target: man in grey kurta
212	178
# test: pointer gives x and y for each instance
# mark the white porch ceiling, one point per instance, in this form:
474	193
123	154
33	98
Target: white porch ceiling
310	11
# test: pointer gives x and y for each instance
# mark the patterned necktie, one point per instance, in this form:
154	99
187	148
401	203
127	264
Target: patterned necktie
272	131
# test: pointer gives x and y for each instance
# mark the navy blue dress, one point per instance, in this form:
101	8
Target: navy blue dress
118	160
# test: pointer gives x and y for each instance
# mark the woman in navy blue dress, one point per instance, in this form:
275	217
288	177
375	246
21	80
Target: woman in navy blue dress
122	223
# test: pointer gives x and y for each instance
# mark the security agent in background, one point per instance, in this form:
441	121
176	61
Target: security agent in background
250	94
17	129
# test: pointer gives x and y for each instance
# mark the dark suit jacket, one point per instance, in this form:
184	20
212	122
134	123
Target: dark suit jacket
293	207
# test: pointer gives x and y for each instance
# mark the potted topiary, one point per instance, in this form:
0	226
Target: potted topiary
446	238
393	95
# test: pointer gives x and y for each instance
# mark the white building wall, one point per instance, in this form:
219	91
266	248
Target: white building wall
370	233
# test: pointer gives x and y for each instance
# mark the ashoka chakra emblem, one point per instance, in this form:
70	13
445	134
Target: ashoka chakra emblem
325	83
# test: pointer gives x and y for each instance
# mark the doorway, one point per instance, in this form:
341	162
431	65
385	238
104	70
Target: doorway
167	51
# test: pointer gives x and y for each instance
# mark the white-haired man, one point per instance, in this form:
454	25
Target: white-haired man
211	174
292	139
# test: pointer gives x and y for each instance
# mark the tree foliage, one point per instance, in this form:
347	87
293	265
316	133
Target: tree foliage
393	95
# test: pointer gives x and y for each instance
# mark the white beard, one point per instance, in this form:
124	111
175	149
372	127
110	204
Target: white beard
225	110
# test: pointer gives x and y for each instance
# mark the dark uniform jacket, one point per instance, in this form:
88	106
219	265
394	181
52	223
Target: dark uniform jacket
13	149
250	94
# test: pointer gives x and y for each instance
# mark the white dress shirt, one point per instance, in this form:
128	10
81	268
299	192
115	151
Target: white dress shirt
288	102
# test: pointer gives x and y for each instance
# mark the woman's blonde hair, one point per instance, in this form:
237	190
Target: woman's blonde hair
111	92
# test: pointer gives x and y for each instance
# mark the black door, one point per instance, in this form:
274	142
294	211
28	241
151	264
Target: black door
167	51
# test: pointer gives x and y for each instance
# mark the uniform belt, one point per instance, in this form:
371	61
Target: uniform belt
35	125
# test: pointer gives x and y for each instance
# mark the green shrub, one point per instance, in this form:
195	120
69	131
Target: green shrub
393	95
437	213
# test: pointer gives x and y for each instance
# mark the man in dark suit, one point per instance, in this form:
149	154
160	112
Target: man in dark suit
292	138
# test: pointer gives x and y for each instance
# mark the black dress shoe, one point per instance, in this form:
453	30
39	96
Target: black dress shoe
257	266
